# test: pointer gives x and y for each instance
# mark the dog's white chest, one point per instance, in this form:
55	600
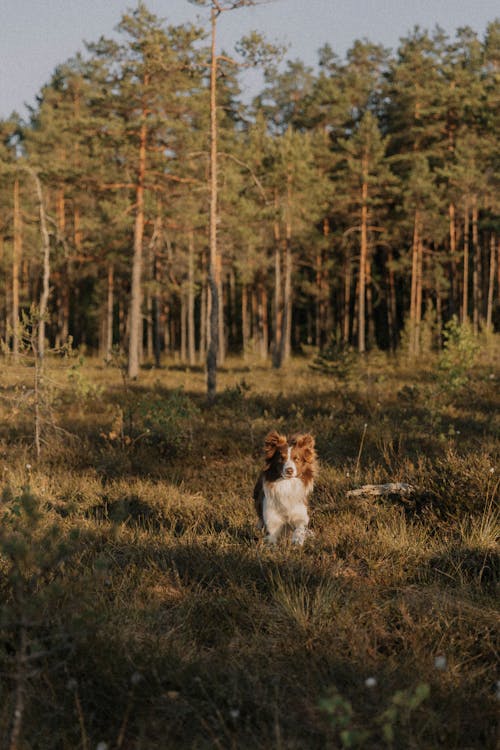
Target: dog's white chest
286	497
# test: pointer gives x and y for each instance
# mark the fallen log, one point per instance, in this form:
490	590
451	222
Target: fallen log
377	490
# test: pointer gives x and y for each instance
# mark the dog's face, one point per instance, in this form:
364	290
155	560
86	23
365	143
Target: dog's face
289	458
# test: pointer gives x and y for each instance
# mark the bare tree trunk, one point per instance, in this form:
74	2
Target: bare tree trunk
136	323
453	257
16	260
369	304
157	322
213	265
109	311
418	300
319	293
65	304
362	264
44	297
491	284
465	291
166	328
476	270
184	317
286	323
391	306
261	309
149	325
190	313
244	320
232	305
203	312
254	328
62	301
222	329
347	300
278	302
414	284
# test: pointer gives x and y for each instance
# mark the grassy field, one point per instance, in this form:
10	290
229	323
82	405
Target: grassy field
141	609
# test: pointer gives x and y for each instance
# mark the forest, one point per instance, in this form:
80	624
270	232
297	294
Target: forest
144	205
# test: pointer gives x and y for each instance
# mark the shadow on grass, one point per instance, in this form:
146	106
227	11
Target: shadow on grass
216	662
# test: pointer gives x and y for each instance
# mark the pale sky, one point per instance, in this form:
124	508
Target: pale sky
37	35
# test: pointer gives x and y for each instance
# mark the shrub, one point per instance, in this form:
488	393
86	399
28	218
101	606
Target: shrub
167	421
459	355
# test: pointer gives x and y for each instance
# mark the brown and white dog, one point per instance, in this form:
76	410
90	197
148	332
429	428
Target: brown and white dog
282	489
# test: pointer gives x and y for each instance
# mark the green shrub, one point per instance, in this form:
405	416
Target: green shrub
167	421
459	355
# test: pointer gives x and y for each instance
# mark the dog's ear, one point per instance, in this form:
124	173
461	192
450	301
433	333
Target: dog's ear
272	441
305	443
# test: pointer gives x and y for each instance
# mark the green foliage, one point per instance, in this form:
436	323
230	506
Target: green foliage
460	351
341	716
167	422
83	388
336	360
401	706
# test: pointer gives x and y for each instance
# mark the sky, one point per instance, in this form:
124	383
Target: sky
37	35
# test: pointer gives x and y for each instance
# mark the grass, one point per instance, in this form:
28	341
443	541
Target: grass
142	610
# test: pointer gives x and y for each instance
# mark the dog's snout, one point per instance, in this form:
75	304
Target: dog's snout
289	471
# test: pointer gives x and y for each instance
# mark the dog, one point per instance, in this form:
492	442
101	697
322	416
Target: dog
283	487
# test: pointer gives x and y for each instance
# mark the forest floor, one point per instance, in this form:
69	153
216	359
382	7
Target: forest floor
141	609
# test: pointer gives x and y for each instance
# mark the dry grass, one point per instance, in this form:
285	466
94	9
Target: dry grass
155	617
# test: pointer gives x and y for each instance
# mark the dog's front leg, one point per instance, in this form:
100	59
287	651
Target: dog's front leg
273	523
300	521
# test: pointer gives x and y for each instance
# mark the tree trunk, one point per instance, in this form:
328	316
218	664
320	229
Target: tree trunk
222	329
318	310
166	328
77	230
190	311
262	321
203	312
369	305
418	292
44	297
109	311
465	291
414	283
278	302
213	264
362	264
16	260
157	322
286	323
184	317
136	327
346	327
244	320
476	270
149	326
491	284
453	257
232	307
391	305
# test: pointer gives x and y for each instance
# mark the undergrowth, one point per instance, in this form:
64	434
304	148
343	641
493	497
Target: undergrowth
140	608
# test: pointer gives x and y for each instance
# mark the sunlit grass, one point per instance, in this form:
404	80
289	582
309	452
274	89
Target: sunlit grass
156	568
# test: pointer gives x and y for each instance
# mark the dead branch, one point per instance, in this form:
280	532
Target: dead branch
378	490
